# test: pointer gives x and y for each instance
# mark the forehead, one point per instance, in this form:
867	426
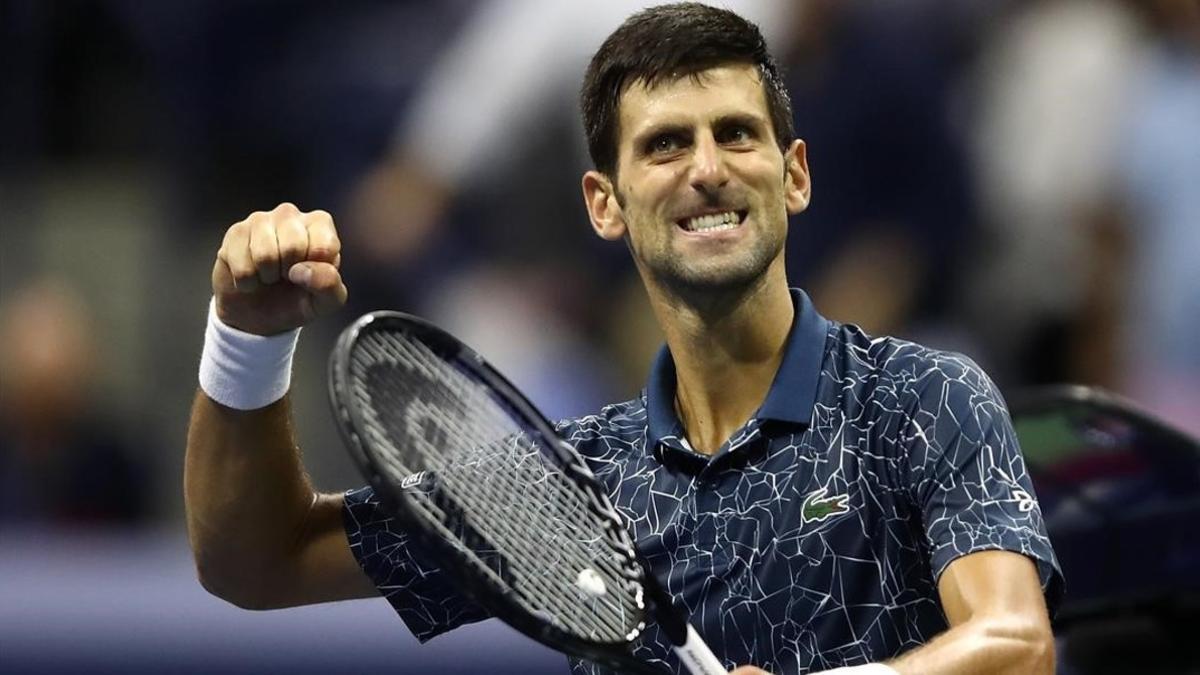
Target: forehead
723	90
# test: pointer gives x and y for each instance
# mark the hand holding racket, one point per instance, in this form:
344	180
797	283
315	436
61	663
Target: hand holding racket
497	499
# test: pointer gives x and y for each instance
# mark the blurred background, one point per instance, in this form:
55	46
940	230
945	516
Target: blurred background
1013	179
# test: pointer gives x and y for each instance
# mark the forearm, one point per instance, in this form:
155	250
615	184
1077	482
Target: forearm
993	646
247	498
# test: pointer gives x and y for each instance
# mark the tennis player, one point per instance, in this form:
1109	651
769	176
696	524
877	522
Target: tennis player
816	498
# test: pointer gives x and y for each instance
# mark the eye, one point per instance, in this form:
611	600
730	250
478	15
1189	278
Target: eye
735	134
664	144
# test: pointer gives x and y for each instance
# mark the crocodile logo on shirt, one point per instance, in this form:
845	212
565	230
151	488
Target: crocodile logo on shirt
817	507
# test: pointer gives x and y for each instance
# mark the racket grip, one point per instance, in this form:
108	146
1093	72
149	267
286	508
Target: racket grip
697	657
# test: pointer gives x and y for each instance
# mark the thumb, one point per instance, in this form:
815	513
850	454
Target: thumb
323	282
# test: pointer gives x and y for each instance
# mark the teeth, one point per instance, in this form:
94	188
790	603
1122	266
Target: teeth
712	223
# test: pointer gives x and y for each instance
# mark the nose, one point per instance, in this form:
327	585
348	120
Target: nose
708	171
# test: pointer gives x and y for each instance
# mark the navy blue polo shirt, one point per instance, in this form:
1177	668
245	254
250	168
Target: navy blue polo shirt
815	536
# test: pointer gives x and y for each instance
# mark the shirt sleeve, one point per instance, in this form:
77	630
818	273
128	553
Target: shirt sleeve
420	593
967	475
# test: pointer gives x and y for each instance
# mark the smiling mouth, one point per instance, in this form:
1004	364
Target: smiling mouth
713	222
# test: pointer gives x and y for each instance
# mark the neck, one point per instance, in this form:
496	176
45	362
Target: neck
727	349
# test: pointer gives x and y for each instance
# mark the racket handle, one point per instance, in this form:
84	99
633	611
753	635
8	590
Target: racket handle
697	657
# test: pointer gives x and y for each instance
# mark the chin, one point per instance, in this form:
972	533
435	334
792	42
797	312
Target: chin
721	280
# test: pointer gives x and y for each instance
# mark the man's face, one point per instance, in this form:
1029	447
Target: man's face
703	195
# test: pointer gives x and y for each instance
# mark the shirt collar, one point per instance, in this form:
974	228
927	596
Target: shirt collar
793	391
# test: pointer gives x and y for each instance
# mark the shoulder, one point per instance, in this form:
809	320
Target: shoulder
615	424
910	378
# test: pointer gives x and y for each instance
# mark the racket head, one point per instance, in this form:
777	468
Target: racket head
390	376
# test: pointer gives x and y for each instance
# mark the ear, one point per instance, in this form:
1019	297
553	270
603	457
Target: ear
798	189
603	208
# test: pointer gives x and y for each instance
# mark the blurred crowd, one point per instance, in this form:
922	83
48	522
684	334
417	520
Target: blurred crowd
1016	180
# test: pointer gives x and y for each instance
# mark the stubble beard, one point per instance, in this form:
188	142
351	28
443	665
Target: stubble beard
726	277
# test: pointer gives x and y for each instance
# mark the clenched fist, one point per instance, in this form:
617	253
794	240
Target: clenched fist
277	270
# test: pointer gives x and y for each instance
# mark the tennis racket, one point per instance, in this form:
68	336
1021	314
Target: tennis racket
508	509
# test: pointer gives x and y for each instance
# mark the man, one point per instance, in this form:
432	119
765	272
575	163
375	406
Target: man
814	497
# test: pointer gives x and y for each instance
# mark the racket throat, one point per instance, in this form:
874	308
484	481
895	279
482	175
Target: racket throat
696	655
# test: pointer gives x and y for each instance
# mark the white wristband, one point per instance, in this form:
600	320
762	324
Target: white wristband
245	371
868	669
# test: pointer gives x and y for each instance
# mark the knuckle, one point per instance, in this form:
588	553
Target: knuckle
293	229
249	241
236	230
261	226
321	223
286	208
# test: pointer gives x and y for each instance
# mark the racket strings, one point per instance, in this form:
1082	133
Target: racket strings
489	491
552	559
490	486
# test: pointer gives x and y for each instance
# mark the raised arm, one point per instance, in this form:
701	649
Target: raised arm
262	537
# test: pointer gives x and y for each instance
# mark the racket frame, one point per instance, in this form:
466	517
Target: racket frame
477	585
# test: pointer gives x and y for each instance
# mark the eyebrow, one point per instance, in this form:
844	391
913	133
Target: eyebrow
744	119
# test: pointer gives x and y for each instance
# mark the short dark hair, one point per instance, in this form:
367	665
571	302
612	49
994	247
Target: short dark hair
668	42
